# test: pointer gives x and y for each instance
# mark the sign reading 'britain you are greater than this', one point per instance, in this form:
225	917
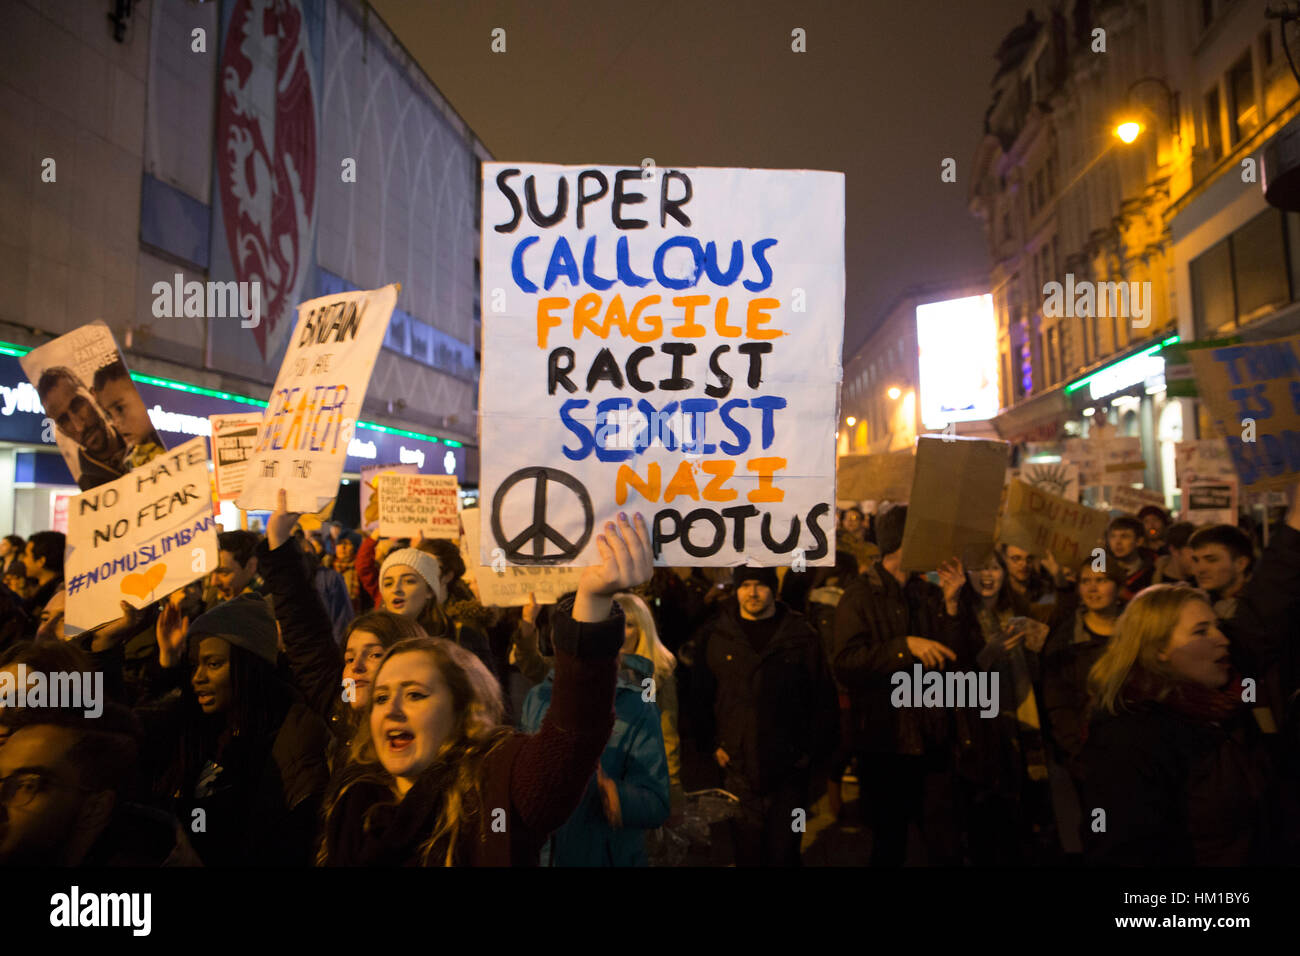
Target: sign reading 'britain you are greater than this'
661	341
140	537
316	401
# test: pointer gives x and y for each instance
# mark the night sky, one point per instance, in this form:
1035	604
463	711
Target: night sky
885	91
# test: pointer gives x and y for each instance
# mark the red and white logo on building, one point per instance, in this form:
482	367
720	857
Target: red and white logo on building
266	156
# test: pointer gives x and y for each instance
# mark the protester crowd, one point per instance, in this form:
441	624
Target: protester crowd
333	698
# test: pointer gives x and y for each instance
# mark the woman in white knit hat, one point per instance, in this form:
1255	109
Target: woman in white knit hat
410	585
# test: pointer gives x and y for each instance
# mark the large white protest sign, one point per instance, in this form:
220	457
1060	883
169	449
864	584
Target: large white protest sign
316	401
662	341
233	439
140	537
510	585
411	505
370	491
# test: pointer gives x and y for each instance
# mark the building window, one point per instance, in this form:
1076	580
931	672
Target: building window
1243	115
1266	49
1213	126
1246	275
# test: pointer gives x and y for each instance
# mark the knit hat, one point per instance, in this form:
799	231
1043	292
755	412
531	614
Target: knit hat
889	529
424	564
764	576
245	621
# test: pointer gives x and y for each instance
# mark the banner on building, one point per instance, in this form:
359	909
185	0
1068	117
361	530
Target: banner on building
1049	524
953	506
1252	394
317	399
663	341
415	505
233	439
884	477
504	585
139	537
98	419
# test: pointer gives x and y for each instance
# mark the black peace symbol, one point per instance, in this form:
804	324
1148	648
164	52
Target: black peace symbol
539	532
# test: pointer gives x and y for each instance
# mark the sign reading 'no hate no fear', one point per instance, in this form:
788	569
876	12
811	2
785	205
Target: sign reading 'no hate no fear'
317	397
140	537
662	341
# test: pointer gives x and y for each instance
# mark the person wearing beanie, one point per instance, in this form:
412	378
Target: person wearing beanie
411	585
768	713
239	747
889	621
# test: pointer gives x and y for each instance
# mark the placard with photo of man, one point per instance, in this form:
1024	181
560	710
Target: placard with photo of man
100	421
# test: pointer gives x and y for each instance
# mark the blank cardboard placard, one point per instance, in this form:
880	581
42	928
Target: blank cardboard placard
885	477
1042	523
954	501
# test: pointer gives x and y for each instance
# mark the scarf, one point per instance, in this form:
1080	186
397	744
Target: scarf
1193	701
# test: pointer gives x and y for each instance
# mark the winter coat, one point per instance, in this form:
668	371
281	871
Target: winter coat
1068	656
874	618
537	779
368	570
773	712
1176	791
139	836
634	759
333	591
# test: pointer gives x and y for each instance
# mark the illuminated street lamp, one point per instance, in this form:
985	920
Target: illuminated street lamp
894	392
1128	131
850	421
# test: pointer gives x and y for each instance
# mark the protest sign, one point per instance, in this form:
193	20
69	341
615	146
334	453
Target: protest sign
668	345
98	419
1252	394
511	584
233	440
1132	500
316	400
885	477
1056	478
1121	460
1208	501
1048	524
413	505
140	537
1201	459
953	506
370	490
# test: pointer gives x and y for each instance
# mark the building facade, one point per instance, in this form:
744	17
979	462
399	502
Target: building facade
292	145
1079	217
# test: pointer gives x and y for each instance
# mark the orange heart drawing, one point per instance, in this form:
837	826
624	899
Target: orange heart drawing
142	585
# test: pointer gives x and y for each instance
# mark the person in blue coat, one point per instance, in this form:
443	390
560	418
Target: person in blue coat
629	795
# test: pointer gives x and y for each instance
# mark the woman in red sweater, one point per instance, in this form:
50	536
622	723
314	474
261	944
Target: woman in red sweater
434	779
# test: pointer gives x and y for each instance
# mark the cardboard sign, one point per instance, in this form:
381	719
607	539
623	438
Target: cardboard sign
1252	393
663	341
233	440
316	400
411	505
140	537
1056	478
1208	502
370	490
1201	460
1047	524
886	477
510	585
954	501
98	419
1132	500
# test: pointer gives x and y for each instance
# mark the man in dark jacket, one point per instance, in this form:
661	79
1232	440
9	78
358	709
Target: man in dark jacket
64	800
773	709
887	621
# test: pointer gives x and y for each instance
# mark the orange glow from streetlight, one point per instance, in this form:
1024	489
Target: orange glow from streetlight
894	392
1128	131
